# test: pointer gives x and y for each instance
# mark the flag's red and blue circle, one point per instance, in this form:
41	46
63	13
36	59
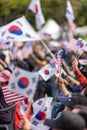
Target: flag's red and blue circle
80	43
46	72
40	116
23	82
14	29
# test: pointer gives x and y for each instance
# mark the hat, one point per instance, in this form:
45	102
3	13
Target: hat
5	76
65	100
66	121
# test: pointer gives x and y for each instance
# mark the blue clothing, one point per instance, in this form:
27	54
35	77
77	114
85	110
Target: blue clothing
57	108
74	88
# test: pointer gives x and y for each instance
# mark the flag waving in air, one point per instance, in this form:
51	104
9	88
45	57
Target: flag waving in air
70	16
82	44
48	71
35	7
19	30
60	57
23	82
72	46
42	110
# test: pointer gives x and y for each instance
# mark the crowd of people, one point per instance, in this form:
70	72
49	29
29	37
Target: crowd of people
68	90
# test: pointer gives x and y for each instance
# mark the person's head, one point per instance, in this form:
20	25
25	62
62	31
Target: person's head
31	64
66	121
82	111
78	99
37	47
22	64
75	99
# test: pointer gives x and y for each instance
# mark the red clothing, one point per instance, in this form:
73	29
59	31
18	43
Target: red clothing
18	116
81	78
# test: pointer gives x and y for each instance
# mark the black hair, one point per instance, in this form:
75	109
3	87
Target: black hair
82	112
2	56
31	64
78	99
22	64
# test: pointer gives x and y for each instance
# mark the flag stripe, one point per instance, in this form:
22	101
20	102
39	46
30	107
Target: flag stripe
11	97
60	57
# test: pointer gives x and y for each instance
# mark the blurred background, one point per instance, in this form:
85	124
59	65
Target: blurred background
55	9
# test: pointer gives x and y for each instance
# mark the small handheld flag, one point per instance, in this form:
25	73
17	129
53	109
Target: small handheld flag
60	57
42	110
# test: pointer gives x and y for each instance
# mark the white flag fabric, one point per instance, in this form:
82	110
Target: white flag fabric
32	6
48	71
69	12
50	30
23	106
70	16
42	110
35	7
82	44
19	30
23	82
78	46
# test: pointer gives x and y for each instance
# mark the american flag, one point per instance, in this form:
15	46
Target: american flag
73	45
60	57
11	97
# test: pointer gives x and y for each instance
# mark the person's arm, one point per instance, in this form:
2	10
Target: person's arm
72	80
11	56
81	78
25	124
36	59
61	84
3	63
